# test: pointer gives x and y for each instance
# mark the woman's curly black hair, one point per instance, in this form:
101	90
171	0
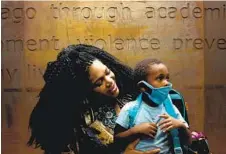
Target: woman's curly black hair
67	93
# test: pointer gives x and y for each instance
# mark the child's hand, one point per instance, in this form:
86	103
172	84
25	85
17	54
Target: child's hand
169	123
147	128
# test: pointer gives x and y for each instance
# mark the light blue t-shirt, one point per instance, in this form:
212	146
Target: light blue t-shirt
147	113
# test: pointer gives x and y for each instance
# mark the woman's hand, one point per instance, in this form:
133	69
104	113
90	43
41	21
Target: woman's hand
131	149
169	123
147	128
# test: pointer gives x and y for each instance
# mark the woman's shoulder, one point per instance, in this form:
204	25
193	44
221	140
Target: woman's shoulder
126	99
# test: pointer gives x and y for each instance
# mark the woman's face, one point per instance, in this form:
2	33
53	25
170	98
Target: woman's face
103	79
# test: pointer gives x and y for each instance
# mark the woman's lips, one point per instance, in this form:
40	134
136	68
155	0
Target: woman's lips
113	88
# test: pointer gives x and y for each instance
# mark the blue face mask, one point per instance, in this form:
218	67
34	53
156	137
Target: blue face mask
157	95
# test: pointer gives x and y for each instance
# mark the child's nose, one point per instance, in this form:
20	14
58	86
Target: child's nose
166	83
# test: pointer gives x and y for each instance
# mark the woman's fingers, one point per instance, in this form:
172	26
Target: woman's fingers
133	144
130	149
155	151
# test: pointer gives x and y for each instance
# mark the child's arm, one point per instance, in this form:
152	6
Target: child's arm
149	129
123	129
123	134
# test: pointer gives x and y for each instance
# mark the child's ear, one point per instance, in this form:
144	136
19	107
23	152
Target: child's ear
141	87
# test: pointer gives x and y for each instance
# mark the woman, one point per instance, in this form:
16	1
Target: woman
77	108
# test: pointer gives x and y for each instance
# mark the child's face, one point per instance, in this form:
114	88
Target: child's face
158	75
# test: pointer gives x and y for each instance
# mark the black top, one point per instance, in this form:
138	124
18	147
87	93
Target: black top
98	136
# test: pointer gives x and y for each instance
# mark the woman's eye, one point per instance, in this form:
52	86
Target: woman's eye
108	72
98	83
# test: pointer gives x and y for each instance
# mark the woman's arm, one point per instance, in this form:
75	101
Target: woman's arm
123	137
131	149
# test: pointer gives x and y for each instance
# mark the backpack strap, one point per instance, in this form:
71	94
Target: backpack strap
134	110
178	101
174	132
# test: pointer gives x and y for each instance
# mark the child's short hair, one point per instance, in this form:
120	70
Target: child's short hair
141	69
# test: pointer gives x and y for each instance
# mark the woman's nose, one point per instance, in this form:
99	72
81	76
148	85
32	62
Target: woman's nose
108	81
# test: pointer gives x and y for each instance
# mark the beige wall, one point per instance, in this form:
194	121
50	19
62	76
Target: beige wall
215	78
175	32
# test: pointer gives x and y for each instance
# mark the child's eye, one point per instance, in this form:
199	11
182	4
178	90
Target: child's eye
160	78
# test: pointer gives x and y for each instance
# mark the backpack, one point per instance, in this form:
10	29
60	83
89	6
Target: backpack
199	141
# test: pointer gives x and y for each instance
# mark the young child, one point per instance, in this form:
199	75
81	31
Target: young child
152	123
